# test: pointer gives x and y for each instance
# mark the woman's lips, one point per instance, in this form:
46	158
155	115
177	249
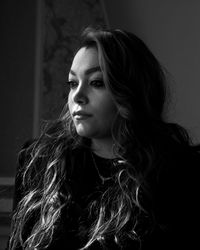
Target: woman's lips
81	115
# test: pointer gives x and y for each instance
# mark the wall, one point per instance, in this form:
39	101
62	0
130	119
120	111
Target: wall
17	58
17	48
171	30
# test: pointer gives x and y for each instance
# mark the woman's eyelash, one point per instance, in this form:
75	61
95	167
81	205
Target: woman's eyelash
72	84
95	83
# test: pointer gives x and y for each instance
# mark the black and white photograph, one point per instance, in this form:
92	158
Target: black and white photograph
100	124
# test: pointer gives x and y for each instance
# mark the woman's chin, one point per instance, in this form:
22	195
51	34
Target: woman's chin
84	132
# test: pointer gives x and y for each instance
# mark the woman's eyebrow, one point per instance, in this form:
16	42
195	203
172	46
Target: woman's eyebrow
88	71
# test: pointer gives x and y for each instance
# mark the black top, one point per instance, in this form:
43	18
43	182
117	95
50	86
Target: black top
173	184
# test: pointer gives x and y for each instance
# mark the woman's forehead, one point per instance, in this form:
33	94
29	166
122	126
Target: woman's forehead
85	59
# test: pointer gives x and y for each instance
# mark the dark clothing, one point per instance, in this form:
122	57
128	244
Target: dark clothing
173	185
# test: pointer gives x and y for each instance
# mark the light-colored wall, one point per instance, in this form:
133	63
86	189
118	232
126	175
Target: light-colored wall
171	30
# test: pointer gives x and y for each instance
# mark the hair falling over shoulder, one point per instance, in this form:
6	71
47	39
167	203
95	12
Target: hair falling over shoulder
42	175
136	81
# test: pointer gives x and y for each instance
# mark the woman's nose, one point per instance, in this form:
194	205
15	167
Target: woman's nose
81	95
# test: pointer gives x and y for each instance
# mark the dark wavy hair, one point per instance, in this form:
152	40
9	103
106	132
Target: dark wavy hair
137	82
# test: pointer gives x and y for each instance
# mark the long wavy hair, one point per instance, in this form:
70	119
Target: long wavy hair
136	80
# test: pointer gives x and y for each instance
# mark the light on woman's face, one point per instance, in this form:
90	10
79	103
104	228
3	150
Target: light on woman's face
90	103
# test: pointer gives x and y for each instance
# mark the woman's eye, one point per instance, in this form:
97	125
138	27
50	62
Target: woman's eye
97	83
72	84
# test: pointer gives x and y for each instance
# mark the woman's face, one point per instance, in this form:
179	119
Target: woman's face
90	103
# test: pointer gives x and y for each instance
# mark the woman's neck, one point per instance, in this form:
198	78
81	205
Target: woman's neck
103	147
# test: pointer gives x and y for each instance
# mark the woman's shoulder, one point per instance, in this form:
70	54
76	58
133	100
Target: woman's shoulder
26	176
174	182
175	174
172	150
178	164
24	156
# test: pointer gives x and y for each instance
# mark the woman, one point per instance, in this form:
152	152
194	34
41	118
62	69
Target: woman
110	173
